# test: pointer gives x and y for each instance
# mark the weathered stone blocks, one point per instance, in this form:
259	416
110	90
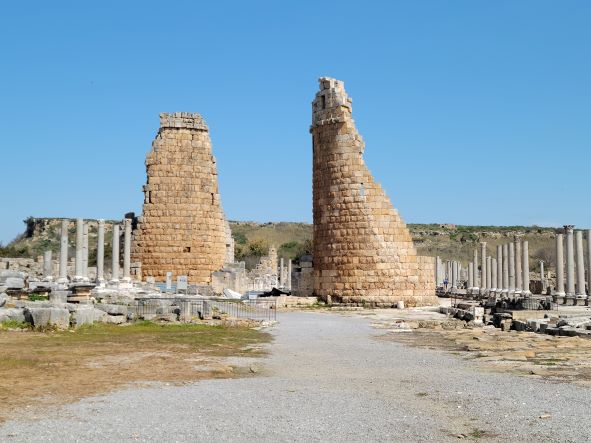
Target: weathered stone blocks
363	251
183	229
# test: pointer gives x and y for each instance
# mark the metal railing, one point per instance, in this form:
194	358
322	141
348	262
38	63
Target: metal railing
205	307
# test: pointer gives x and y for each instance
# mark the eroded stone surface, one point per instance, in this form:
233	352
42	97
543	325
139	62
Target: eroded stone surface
363	250
182	229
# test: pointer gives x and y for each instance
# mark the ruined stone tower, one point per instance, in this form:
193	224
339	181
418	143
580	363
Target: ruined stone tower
182	229
363	250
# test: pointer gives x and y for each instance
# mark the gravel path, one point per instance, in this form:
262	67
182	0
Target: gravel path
329	379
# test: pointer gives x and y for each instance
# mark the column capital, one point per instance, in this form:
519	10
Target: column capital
517	237
483	243
569	229
126	222
101	221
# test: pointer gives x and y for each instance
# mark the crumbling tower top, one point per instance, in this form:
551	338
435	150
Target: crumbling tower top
182	120
331	104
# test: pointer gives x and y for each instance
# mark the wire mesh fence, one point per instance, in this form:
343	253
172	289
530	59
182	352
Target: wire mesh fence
205	308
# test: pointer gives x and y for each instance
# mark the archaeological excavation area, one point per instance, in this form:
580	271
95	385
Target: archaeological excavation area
385	322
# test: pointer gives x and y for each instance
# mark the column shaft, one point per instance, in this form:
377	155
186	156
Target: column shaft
505	267
483	283
493	273
470	275
115	254
47	266
518	263
525	268
570	261
79	242
85	250
127	250
580	264
499	284
100	252
511	268
63	278
475	269
559	264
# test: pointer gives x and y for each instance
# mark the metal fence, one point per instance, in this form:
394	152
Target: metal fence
205	307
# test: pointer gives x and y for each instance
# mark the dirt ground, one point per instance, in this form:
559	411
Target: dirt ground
41	369
523	353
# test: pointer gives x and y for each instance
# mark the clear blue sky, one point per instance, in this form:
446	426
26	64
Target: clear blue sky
473	112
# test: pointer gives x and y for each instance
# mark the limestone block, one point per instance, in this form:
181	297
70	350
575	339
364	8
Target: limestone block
3	299
12	314
112	309
43	317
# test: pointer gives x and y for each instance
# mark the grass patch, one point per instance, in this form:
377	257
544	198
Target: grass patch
101	357
13	324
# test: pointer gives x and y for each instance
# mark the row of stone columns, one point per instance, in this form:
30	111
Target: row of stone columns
575	275
507	273
82	250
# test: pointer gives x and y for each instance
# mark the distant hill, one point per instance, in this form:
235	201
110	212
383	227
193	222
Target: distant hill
293	240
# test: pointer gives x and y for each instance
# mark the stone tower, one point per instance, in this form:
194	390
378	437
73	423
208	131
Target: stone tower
363	250
183	228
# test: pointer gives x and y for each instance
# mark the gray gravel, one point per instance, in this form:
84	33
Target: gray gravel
329	379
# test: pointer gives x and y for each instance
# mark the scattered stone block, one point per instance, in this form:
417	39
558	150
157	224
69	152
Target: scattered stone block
14	283
115	319
3	299
82	317
112	309
12	314
43	317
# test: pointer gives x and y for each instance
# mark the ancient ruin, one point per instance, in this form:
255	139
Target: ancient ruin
182	229
363	250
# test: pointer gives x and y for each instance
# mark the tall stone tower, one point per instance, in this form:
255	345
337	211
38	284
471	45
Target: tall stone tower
363	250
182	229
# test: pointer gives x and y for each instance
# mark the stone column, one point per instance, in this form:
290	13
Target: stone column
470	275
475	270
79	245
580	264
454	274
483	283
543	278
85	251
488	273
100	252
115	253
47	266
499	283
518	263
525	268
289	274
505	268
570	260
559	265
589	260
493	274
127	250
63	278
511	268
282	277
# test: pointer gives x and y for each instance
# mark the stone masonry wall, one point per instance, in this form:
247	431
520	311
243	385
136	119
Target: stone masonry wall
183	227
363	250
